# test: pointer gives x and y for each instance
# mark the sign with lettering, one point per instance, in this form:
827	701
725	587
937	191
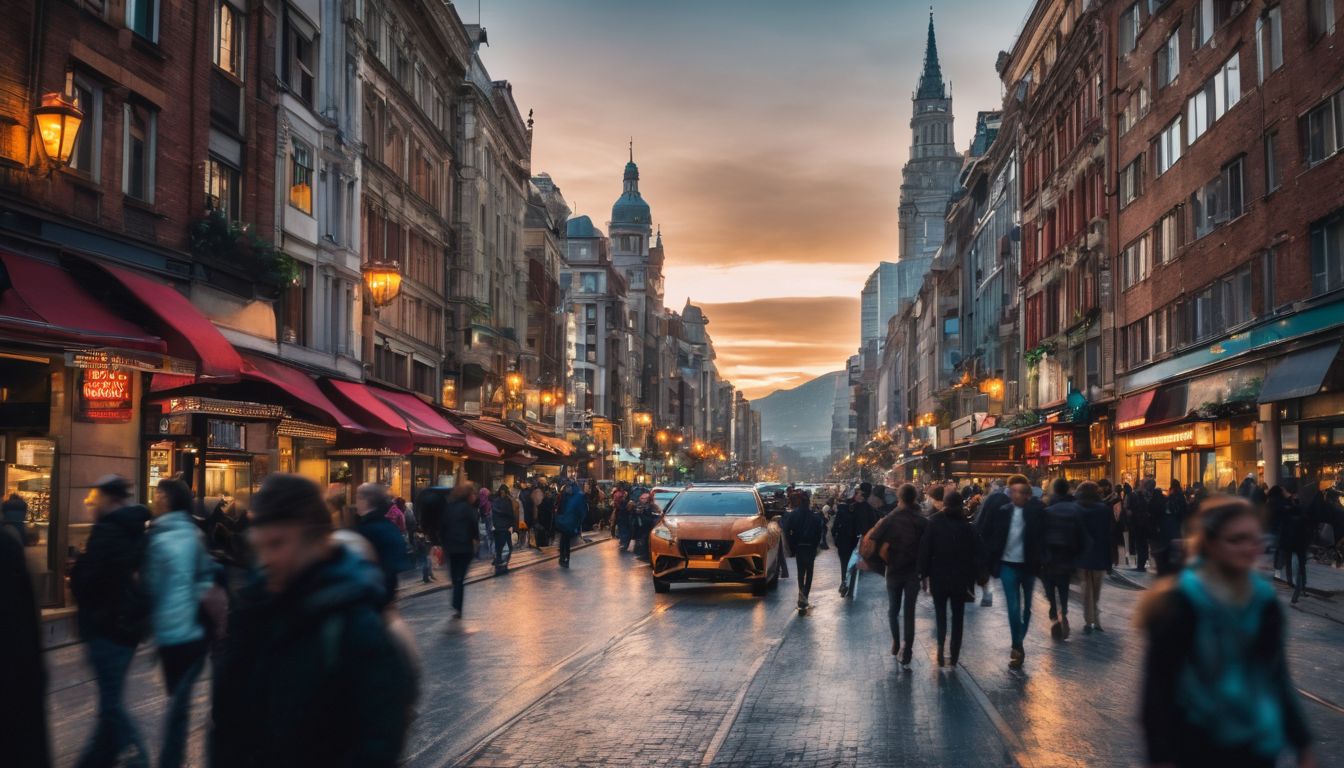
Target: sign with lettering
104	395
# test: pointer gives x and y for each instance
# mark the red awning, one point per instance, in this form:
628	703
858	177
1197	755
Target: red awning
499	434
426	425
298	385
43	301
190	333
381	419
1132	411
480	448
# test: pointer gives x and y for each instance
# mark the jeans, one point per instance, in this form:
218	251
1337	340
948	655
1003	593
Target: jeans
115	730
566	541
182	664
501	544
1140	544
1300	582
457	571
1057	592
1018	584
902	588
805	558
941	602
1092	595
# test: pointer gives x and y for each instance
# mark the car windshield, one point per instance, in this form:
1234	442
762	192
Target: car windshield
662	497
715	504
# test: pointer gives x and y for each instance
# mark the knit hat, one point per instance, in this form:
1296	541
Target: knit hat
290	499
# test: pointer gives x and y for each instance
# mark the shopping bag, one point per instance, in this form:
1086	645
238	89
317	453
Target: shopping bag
437	553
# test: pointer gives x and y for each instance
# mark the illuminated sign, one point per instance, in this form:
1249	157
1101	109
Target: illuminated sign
129	361
1167	438
1063	444
104	395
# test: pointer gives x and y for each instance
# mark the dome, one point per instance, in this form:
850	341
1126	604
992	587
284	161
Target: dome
630	208
581	226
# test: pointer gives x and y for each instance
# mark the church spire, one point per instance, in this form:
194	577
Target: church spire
931	79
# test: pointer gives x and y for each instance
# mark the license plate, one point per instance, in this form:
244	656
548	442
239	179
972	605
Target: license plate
708	562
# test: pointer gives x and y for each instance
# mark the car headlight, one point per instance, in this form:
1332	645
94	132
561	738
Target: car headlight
753	535
665	533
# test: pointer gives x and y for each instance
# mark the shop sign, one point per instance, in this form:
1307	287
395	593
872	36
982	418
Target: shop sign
1063	444
1163	439
104	395
1038	444
236	409
127	361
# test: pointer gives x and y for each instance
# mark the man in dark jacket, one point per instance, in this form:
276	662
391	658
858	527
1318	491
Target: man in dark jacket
803	530
311	676
371	505
113	615
459	536
503	519
1063	541
842	533
900	531
1098	522
1012	535
23	678
569	522
1139	523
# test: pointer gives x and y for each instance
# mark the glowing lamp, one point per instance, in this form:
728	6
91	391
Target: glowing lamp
383	280
58	123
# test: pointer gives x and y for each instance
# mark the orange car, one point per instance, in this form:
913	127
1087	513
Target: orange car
716	533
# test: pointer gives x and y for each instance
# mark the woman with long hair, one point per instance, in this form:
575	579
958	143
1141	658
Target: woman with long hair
1216	688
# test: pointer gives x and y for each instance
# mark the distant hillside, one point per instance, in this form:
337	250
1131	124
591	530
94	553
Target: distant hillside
800	417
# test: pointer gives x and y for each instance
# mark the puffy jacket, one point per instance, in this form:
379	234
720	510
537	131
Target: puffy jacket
312	677
177	571
503	515
105	579
573	513
458	531
902	530
951	555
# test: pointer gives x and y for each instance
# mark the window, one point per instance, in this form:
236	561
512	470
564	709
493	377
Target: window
1201	22
1323	129
137	155
1168	62
228	48
1327	253
86	157
300	61
1218	201
142	18
1134	263
1131	179
589	282
1268	42
301	177
1320	18
1129	29
1166	238
1167	146
1271	162
1212	101
1139	342
223	188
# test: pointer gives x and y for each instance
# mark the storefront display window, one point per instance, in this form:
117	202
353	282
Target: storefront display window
29	477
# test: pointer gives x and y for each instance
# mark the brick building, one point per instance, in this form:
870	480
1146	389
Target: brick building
1229	237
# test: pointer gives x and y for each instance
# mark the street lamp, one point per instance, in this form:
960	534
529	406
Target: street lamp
515	381
58	122
383	279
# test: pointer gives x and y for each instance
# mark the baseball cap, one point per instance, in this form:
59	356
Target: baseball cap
115	486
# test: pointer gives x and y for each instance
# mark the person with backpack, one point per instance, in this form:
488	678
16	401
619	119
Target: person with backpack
569	521
1063	542
951	561
896	538
113	615
458	534
313	674
178	575
803	530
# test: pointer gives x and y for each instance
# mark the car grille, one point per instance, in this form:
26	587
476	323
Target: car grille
701	547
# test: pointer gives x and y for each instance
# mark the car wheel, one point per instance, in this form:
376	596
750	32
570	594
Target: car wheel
662	587
758	588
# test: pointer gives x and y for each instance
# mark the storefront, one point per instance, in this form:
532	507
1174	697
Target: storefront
223	449
1061	450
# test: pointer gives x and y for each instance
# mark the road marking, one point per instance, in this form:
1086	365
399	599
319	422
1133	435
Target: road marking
730	717
1328	704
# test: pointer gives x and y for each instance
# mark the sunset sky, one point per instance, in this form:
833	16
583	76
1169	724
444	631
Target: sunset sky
769	134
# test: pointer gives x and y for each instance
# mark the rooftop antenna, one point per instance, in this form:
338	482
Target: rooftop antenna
632	149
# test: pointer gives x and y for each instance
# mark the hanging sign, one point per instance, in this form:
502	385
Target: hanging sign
104	395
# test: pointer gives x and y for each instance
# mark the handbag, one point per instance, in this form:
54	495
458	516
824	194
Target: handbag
437	554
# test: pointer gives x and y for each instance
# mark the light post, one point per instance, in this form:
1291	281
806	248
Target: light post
57	120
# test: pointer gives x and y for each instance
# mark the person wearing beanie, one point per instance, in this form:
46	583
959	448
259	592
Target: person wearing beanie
309	647
900	533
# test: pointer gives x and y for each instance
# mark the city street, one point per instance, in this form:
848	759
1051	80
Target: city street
587	666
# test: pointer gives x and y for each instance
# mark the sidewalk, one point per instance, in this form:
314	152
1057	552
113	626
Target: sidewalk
1324	595
58	625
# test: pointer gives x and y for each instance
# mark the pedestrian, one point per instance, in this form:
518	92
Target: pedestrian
312	676
113	617
1137	505
1110	498
622	505
458	536
1157	522
23	677
897	537
396	513
803	531
1216	684
1171	528
485	511
1294	536
997	497
951	561
503	519
1011	535
535	497
546	514
1063	541
1095	560
178	575
569	521
430	507
226	533
845	535
371	505
14	522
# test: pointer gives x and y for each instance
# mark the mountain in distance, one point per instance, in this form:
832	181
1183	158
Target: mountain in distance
800	417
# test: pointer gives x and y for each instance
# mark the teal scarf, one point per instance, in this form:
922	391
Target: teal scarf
1221	689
